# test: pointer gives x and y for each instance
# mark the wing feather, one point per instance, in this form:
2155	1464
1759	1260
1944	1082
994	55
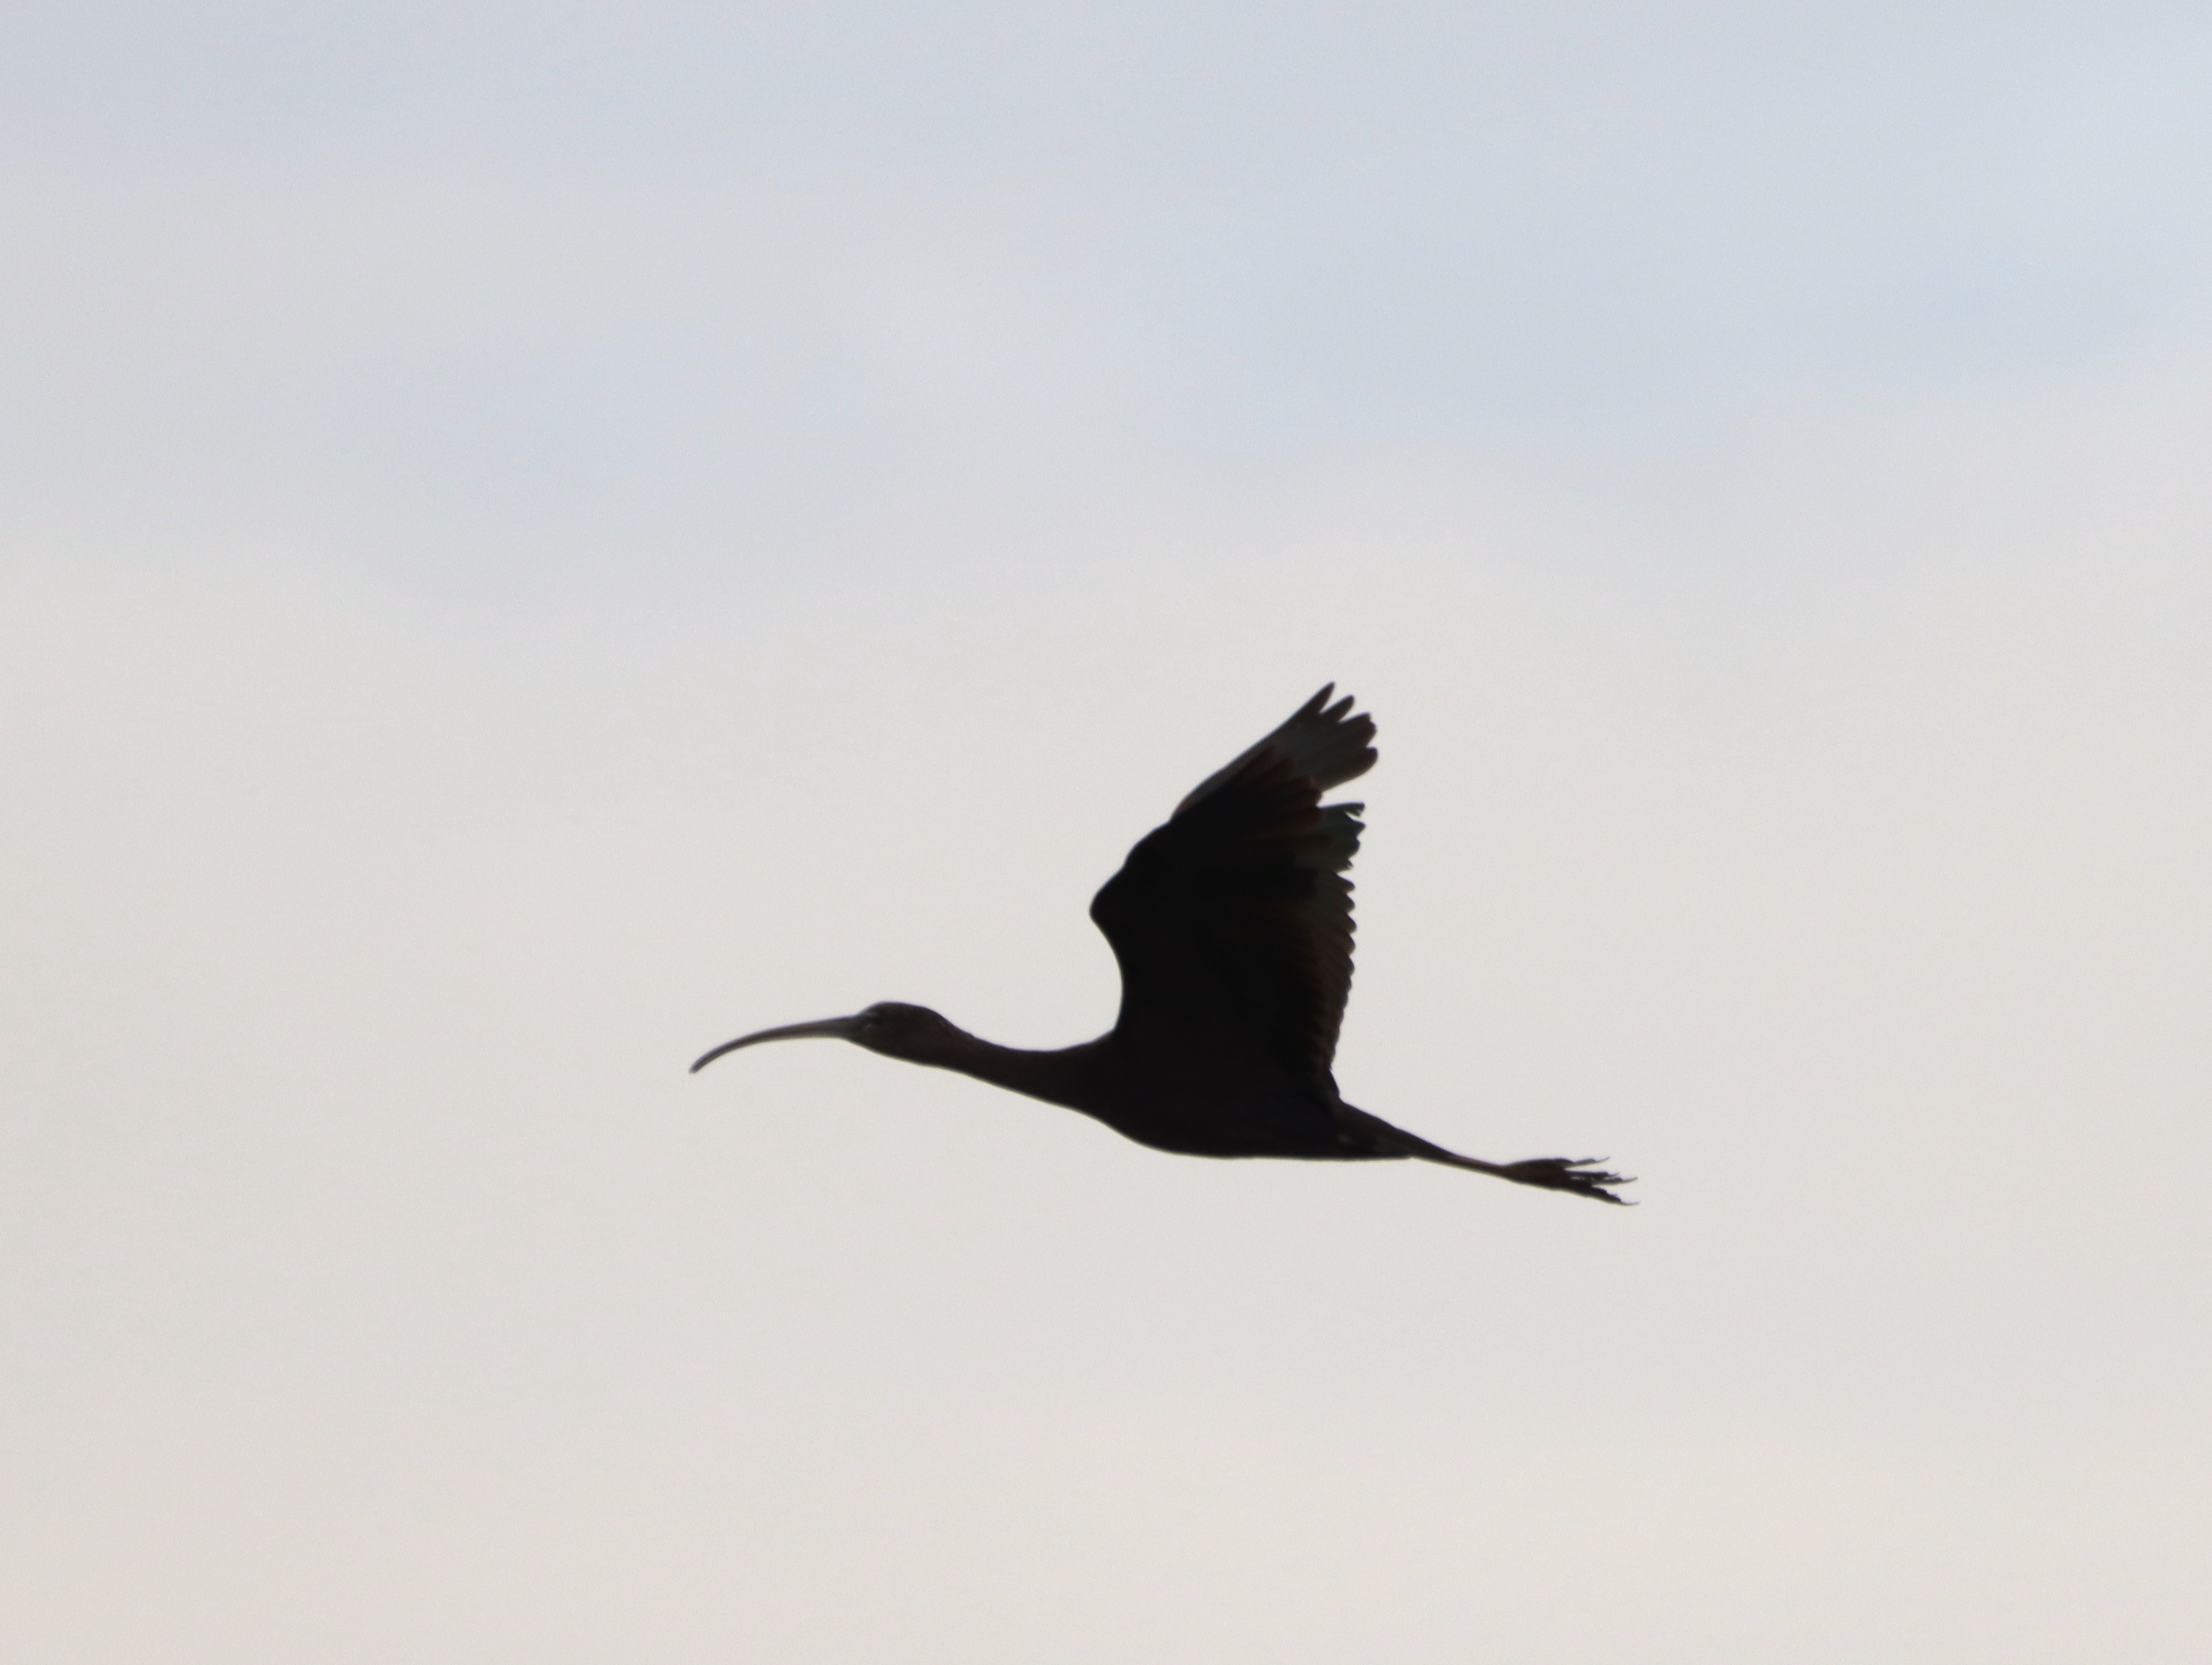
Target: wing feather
1232	922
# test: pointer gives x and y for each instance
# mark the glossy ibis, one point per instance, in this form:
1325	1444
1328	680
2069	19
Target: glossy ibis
1232	924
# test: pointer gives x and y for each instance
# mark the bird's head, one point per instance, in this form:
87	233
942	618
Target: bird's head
890	1027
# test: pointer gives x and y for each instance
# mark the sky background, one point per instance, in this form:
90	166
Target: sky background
536	538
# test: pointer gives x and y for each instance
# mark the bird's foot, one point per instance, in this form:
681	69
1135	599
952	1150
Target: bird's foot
1580	1175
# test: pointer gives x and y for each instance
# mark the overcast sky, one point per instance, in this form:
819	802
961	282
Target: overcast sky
535	539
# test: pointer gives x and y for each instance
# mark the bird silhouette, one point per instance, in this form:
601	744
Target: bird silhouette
1232	925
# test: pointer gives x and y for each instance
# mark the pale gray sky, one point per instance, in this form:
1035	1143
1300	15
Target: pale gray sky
533	541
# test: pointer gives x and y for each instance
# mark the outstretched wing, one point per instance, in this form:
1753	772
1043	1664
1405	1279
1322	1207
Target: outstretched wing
1232	922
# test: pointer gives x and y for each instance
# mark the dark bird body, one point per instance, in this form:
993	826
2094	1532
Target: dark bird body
1232	925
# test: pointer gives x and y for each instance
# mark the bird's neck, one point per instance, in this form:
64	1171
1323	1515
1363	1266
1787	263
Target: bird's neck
1059	1076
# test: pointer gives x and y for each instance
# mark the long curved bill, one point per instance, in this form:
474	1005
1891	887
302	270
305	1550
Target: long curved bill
825	1028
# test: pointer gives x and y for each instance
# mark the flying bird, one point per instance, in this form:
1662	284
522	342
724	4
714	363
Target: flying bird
1232	925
